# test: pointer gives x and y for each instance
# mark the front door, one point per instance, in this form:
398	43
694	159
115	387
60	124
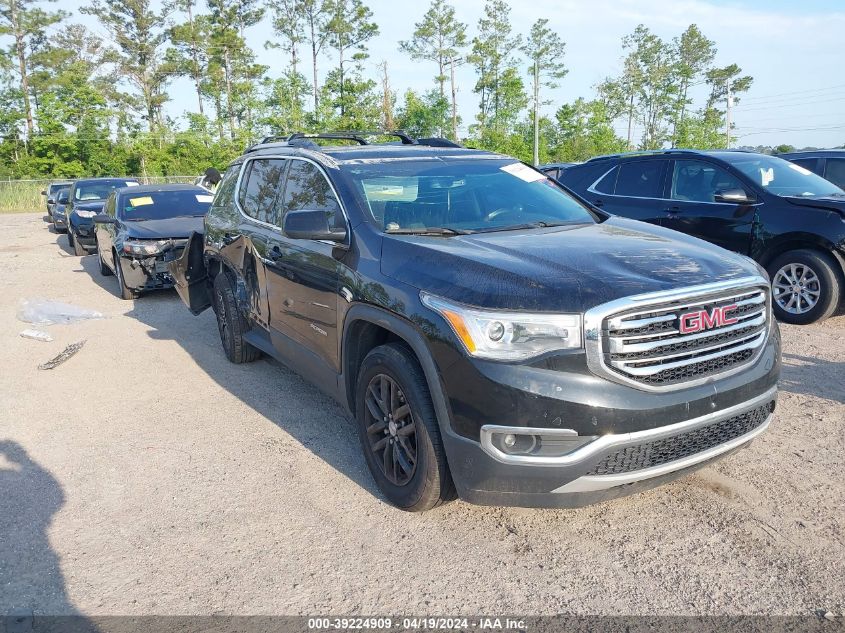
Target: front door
302	275
694	207
105	233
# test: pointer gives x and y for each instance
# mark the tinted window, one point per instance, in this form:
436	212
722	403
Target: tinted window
160	205
307	188
808	163
698	181
259	188
224	196
471	195
640	179
781	177
607	183
835	171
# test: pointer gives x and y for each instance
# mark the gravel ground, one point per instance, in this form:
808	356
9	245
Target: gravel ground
149	475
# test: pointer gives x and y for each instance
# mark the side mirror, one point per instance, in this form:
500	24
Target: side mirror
311	225
51	201
733	196
44	193
102	218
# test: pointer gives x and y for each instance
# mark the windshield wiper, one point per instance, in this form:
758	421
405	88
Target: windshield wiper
529	225
433	230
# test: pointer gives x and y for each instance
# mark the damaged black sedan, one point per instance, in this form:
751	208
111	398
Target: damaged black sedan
142	229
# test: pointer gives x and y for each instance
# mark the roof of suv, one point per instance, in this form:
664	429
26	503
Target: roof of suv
724	154
375	152
813	153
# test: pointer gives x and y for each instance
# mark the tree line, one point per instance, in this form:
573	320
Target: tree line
74	103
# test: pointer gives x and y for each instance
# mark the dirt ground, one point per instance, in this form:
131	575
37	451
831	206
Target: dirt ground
149	475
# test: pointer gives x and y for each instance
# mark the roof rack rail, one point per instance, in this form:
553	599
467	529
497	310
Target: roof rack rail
351	135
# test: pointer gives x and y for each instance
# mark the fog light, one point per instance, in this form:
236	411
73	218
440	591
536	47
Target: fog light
510	440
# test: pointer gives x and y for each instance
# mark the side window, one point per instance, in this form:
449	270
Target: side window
260	187
307	188
607	183
835	171
225	194
698	181
808	163
640	179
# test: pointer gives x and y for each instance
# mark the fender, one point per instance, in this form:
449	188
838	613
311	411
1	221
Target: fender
409	333
241	294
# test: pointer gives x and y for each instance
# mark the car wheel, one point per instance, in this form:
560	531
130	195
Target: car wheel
70	237
105	271
398	429
806	286
122	289
78	250
231	323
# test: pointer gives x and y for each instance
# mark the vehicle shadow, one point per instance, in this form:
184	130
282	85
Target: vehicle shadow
812	376
91	266
62	243
33	588
266	386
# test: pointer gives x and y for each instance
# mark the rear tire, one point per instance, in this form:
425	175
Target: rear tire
105	271
399	432
123	291
231	322
806	286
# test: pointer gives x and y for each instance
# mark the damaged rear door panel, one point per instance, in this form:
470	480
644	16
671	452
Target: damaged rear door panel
190	275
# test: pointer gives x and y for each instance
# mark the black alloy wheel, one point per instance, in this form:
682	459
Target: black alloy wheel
391	430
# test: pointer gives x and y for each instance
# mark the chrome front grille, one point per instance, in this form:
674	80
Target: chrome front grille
666	341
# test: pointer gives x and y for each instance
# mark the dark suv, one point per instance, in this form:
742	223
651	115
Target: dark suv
487	330
85	200
782	215
827	163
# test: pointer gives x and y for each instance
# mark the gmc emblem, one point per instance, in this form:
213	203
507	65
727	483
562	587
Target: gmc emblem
701	320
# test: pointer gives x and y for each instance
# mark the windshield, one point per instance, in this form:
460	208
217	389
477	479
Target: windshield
160	205
54	188
783	178
100	190
419	196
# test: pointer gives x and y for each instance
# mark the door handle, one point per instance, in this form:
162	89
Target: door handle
673	210
228	238
275	253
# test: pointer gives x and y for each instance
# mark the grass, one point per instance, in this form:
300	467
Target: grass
24	196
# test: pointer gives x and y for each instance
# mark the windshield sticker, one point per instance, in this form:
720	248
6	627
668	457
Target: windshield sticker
140	202
800	170
523	172
204	197
131	184
766	176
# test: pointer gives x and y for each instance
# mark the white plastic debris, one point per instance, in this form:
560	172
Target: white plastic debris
37	335
46	312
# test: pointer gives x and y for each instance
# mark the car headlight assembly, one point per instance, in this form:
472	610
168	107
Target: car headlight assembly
137	247
86	214
508	336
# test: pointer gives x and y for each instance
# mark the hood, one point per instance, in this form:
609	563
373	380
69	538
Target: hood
89	205
566	269
169	227
828	203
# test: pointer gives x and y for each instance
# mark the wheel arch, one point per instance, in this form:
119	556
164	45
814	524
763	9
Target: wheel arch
366	327
799	241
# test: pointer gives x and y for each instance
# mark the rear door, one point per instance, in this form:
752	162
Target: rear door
303	275
834	171
632	189
693	208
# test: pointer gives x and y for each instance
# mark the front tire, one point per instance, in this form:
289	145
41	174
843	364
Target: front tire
806	286
105	271
231	322
398	430
78	250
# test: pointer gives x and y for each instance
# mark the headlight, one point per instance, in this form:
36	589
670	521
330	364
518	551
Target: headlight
86	214
135	247
507	335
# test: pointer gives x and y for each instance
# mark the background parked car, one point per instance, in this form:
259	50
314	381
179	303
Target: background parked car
59	217
785	217
50	194
553	170
85	200
828	163
142	228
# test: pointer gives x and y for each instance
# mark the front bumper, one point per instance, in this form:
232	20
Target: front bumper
148	273
642	439
84	234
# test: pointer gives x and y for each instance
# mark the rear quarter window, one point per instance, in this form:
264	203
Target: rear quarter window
640	179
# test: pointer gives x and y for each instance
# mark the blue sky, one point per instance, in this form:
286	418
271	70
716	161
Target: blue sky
792	49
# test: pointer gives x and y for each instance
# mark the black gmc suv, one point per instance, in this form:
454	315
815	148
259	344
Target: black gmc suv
487	330
784	216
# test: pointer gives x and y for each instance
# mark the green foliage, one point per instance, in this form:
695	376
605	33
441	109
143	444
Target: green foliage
423	116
